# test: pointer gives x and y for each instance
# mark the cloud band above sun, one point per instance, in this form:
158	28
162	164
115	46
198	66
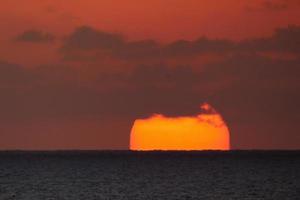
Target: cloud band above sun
206	131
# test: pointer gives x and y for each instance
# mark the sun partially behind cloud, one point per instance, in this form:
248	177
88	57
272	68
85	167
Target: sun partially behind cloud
206	131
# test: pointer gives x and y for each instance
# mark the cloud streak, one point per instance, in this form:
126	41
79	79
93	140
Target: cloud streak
35	36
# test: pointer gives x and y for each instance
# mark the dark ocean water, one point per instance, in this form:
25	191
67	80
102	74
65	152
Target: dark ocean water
150	175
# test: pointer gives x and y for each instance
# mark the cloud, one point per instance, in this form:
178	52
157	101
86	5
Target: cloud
199	46
85	40
267	5
246	87
258	89
61	91
88	38
239	81
87	44
275	6
283	40
35	36
179	88
261	100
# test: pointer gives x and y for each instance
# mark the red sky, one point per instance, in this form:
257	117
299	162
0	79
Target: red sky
62	77
164	21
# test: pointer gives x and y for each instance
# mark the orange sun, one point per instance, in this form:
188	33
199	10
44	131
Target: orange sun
206	131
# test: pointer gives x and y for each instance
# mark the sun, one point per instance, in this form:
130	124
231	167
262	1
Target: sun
206	131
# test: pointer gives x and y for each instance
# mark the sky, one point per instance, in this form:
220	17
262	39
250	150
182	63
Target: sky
76	74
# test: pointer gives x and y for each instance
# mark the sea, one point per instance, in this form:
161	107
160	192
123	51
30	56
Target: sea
130	175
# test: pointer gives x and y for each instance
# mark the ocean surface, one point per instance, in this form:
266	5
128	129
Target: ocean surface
149	175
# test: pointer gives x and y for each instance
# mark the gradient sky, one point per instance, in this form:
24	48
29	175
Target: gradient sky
75	74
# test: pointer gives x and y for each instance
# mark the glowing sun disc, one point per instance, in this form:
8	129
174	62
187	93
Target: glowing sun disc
206	131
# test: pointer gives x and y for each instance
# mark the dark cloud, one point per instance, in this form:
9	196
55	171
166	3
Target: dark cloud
35	36
89	44
12	75
252	93
153	88
261	101
199	46
101	44
283	40
50	91
275	6
258	96
88	38
268	5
